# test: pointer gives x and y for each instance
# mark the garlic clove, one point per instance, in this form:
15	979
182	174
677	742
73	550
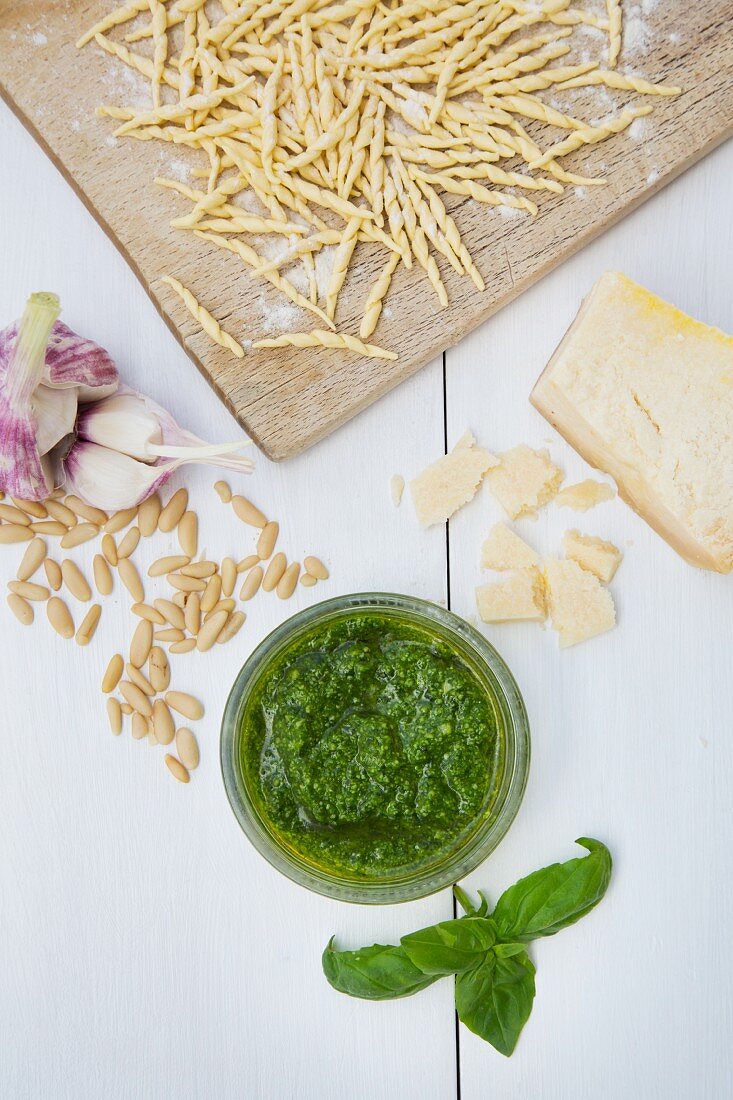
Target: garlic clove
108	479
55	414
72	360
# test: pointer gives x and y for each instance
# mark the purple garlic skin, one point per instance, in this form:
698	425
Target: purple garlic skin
71	360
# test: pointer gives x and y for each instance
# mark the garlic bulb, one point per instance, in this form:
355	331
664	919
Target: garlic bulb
45	371
22	356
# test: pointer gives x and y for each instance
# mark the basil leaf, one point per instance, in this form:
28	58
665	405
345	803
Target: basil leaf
451	946
494	999
377	973
554	897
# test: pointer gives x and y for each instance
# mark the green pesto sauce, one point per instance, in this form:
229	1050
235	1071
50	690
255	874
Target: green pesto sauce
370	746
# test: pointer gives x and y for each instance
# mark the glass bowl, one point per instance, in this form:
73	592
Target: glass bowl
511	715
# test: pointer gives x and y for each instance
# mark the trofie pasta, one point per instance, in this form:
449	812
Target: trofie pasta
329	126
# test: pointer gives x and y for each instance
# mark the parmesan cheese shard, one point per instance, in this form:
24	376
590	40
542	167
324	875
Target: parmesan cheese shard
451	482
585	495
579	605
505	550
642	391
524	480
396	489
519	597
593	554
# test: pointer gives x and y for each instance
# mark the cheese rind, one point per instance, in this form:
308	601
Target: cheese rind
520	596
644	393
503	549
593	554
585	495
523	480
451	482
580	607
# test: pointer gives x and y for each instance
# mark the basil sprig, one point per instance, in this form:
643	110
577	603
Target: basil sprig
494	975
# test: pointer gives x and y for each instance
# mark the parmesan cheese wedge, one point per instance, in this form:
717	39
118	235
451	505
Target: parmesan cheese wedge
520	596
591	553
451	482
505	550
579	605
645	393
523	480
586	494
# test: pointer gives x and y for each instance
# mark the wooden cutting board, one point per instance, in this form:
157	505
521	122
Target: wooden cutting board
287	399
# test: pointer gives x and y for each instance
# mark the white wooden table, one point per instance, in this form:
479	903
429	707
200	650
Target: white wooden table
147	951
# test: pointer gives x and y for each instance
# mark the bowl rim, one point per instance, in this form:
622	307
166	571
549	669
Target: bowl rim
476	848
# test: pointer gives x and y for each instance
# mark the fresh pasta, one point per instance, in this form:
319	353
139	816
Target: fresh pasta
336	127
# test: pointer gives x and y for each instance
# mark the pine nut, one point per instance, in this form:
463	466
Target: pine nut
184	704
223	491
159	670
200	569
131	579
171	613
113	673
59	511
252	582
140	726
288	581
148	515
176	768
114	714
86	511
174	509
52	569
247	563
32	508
274	572
119	520
185	584
75	580
142	641
102	575
136	677
192	613
83	532
49	527
246	511
171	634
210	631
188	533
129	543
21	609
89	624
60	617
228	576
187	748
14	515
145	611
16	532
183	647
212	593
167	565
227	605
163	724
137	699
235	624
29	591
126	709
308	581
179	599
109	549
268	538
316	568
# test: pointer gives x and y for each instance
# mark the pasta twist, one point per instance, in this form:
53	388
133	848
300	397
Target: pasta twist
589	135
375	299
324	338
209	324
613	7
